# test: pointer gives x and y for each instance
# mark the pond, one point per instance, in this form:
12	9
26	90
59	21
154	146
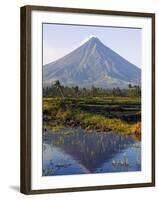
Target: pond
75	151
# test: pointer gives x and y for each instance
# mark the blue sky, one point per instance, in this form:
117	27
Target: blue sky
58	40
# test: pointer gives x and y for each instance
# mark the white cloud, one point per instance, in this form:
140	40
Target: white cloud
51	54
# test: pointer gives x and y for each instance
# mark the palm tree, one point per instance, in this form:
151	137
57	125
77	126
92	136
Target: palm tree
58	86
76	90
130	86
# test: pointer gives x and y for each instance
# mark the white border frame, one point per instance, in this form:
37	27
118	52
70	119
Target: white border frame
39	182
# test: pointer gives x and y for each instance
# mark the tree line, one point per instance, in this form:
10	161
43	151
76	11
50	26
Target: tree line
57	89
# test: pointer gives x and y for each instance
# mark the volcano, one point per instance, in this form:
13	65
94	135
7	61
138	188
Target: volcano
92	64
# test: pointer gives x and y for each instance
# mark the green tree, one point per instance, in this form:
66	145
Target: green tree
94	91
130	86
76	90
59	87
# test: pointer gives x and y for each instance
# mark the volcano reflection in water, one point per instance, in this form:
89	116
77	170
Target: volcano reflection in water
73	151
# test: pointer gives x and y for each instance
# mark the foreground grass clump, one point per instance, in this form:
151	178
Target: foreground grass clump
136	130
60	112
100	123
63	116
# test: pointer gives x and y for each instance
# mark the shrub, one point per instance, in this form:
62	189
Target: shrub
63	116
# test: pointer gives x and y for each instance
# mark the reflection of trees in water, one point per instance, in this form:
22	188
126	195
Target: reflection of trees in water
90	149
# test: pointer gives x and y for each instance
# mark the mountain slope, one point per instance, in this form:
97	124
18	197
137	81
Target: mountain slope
92	63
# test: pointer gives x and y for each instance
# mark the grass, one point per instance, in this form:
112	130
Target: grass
58	112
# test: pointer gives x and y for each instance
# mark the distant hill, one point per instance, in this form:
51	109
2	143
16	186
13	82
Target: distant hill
92	63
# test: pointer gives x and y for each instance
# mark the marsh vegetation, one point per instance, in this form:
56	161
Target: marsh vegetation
119	114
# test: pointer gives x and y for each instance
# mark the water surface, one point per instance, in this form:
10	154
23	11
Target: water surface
74	151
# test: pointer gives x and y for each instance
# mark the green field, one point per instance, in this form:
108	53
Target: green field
119	114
